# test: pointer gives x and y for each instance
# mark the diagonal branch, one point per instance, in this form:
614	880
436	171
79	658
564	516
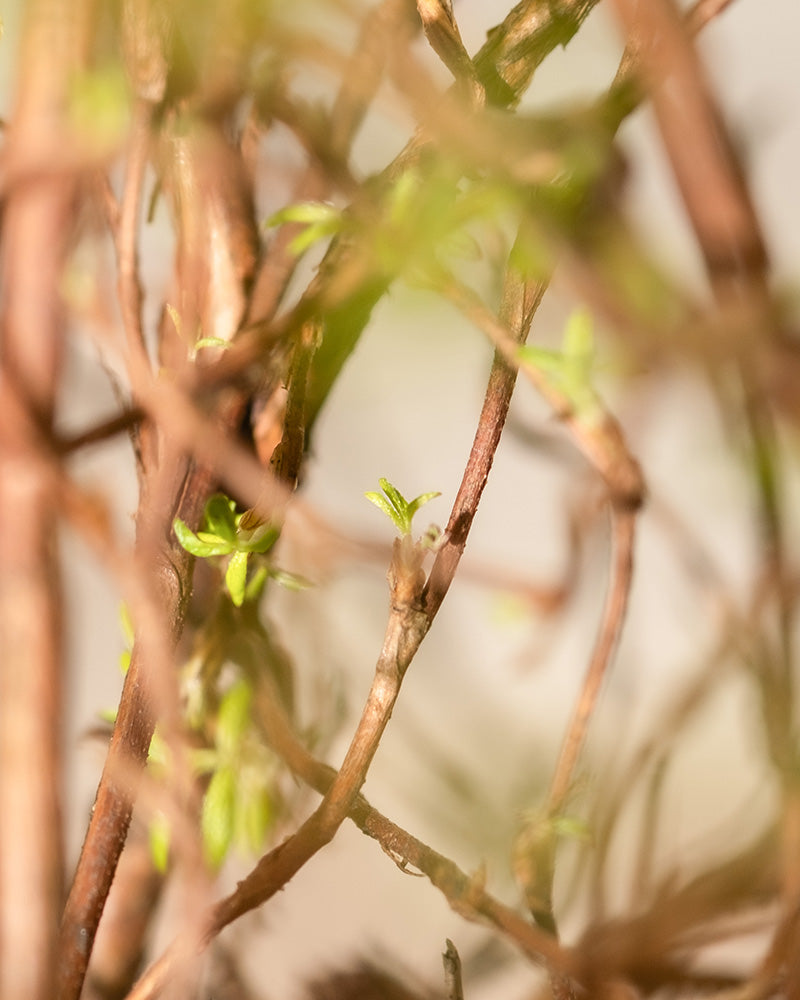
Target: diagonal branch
414	605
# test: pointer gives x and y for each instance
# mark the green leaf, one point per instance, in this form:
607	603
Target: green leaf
99	106
213	342
383	504
419	501
236	577
217	818
546	360
254	818
290	581
194	545
175	316
320	219
126	623
305	211
579	336
396	498
233	719
571	827
255	585
220	517
395	505
157	753
309	236
159	835
260	539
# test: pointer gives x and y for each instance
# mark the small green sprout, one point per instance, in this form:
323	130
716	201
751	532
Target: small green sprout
394	505
239	536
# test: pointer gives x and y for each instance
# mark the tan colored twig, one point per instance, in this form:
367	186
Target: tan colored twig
126	232
38	224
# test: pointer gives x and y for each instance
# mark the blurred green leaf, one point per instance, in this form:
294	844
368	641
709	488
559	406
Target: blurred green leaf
217	817
255	585
289	581
213	342
159	835
320	219
99	106
236	577
220	518
233	718
254	818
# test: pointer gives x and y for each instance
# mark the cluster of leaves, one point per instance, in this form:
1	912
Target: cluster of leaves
422	219
242	538
238	805
239	801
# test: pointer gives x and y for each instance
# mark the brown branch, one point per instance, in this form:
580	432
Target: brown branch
714	190
126	232
38	219
600	439
623	522
214	261
414	605
520	301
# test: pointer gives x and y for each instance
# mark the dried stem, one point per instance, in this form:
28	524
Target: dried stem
623	523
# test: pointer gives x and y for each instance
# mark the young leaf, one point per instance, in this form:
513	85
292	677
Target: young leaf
320	219
289	581
253	819
579	337
213	342
383	504
233	718
396	498
236	577
159	837
195	545
260	539
395	505
305	211
220	518
418	502
255	585
217	819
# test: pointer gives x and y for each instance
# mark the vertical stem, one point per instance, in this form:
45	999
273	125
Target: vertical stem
36	224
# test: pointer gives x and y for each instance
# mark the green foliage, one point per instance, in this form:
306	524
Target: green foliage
321	220
394	505
570	370
241	537
237	805
159	839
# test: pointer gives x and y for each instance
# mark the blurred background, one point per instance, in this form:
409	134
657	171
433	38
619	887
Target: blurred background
477	729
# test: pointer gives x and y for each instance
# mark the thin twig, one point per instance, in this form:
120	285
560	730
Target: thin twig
623	523
37	229
413	608
126	231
